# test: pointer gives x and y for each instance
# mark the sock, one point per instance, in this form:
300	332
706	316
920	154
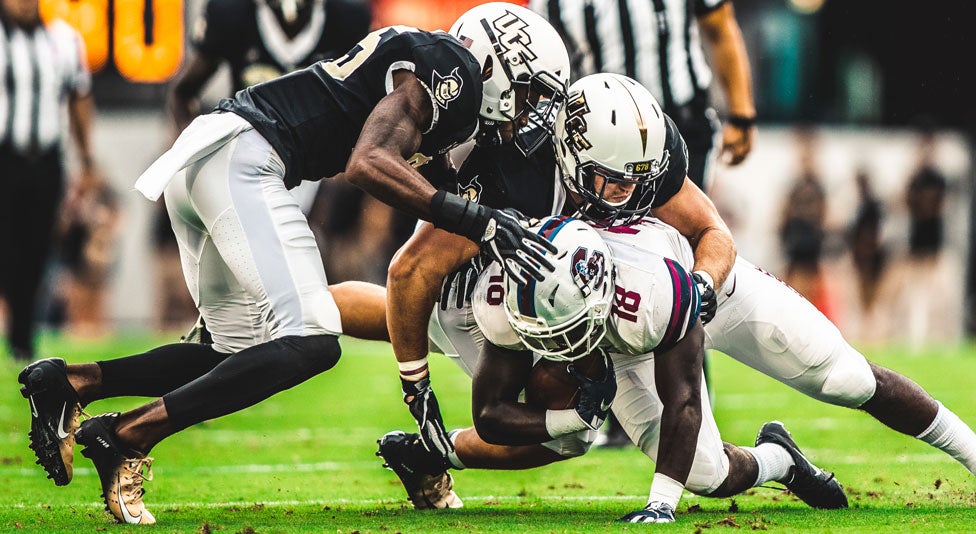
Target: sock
159	371
949	434
452	456
250	376
774	462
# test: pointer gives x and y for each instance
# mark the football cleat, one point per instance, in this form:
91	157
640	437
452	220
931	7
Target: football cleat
55	413
423	473
814	486
119	469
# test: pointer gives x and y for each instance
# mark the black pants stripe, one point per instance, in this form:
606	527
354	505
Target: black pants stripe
30	193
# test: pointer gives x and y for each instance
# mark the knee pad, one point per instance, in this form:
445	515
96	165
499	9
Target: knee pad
572	445
710	469
849	382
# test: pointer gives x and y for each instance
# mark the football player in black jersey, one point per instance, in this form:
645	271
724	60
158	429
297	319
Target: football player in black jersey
397	101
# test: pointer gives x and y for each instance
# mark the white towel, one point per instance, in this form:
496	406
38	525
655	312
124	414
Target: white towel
201	138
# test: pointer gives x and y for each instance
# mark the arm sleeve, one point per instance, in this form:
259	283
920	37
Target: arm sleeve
686	305
488	307
656	302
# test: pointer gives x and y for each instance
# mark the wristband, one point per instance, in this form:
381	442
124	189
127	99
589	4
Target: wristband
459	216
665	489
707	278
741	121
563	422
414	371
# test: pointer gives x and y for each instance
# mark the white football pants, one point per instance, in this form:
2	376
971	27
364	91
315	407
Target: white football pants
249	257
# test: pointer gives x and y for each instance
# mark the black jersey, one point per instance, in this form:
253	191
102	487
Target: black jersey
501	177
313	117
247	36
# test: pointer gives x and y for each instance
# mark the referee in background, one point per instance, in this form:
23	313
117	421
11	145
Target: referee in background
659	44
42	66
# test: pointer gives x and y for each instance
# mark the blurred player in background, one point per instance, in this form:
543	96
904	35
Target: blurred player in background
397	101
43	67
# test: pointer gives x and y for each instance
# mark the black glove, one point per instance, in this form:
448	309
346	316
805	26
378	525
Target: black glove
459	285
595	396
424	409
508	241
709	300
654	512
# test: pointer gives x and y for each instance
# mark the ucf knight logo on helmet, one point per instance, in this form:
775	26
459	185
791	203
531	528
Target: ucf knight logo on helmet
512	35
576	107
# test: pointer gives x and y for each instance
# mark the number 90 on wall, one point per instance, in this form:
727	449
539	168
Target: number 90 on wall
141	54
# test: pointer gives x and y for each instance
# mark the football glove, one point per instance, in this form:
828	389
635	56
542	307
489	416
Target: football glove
459	285
709	300
595	396
424	409
654	512
519	251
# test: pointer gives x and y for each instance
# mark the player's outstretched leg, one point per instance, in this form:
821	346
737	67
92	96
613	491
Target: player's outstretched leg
812	485
55	412
119	468
423	473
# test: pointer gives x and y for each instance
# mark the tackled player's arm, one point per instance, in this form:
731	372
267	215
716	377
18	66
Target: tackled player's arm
678	372
693	214
499	417
391	134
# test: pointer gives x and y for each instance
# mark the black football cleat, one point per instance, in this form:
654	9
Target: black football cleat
55	412
814	486
120	470
423	473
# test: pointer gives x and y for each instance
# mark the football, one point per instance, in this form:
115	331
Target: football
550	385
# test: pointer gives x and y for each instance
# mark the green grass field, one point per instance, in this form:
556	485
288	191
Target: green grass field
304	461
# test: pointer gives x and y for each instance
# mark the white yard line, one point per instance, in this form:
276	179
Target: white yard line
334	502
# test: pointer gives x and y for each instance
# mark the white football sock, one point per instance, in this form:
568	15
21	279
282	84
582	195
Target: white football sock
774	462
949	434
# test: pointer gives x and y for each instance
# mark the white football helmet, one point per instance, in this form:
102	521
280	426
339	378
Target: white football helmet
613	127
518	48
564	317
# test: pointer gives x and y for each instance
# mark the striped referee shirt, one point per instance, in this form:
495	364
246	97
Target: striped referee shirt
40	68
655	42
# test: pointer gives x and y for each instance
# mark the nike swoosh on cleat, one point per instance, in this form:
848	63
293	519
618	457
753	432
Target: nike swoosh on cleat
33	408
128	517
604	406
61	433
